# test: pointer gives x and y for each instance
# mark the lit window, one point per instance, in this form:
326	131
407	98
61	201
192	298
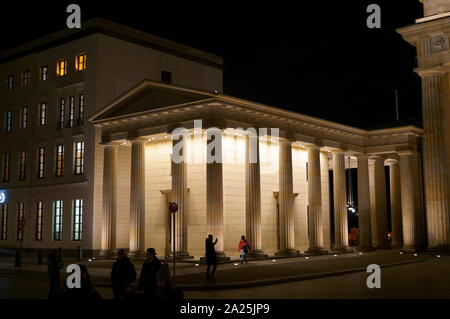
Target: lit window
71	118
166	77
79	158
57	219
4	222
20	218
80	62
24	117
43	73
62	113
9	82
6	167
8	121
26	78
22	164
81	109
59	160
41	162
77	231
39	219
61	68
43	114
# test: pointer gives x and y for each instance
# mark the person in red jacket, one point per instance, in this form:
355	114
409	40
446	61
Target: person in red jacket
243	249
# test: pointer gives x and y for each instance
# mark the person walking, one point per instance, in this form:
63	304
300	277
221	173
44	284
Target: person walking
243	249
147	279
210	256
53	268
123	274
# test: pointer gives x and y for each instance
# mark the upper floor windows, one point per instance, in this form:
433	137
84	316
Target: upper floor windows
9	82
22	164
80	62
59	161
26	78
70	120
43	114
43	73
8	121
61	68
41	162
23	117
62	113
4	222
6	167
81	109
79	158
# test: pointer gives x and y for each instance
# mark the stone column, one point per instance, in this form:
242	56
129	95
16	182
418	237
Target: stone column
315	227
435	160
365	228
411	235
253	195
214	188
380	213
109	208
286	199
137	198
180	195
340	203
396	203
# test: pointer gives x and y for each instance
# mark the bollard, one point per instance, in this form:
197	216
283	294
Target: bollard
39	256
80	253
18	259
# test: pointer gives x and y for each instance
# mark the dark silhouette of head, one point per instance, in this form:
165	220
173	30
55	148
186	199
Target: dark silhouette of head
242	237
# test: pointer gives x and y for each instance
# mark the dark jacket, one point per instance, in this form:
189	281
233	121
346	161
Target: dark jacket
123	272
210	251
149	270
53	265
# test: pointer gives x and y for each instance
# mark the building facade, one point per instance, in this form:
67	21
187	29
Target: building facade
92	121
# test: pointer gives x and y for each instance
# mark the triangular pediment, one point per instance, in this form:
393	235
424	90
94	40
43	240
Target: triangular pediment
147	96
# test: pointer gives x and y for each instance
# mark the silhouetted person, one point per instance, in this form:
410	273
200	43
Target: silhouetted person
54	267
210	256
243	249
147	279
123	274
86	291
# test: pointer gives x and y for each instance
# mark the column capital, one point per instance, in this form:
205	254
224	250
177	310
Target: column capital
437	70
137	140
406	153
361	155
392	161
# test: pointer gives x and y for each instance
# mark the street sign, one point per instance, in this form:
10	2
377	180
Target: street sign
173	207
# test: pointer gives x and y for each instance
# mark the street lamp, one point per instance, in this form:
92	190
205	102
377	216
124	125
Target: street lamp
173	208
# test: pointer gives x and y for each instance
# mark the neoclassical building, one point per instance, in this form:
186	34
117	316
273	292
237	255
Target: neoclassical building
97	171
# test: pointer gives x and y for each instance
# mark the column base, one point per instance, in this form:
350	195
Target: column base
137	254
440	248
410	249
287	252
342	249
108	253
365	248
179	256
317	251
256	254
383	247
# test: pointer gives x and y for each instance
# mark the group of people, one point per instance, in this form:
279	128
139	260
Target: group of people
154	279
211	256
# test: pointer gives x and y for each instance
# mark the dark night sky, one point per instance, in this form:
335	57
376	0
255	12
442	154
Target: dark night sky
318	59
